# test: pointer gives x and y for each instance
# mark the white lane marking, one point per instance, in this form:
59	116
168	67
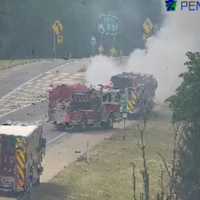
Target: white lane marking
38	76
5	98
34	78
56	138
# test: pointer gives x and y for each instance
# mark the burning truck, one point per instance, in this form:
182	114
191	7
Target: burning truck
139	90
81	107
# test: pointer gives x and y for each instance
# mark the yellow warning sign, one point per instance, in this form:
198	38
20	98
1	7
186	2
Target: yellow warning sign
60	39
57	27
148	28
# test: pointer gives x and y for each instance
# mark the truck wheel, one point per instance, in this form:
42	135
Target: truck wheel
103	125
83	126
110	123
60	127
37	183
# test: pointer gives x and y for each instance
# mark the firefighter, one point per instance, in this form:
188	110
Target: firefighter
42	146
30	179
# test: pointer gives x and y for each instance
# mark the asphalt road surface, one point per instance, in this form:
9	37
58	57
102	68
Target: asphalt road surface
23	98
27	102
24	89
13	77
36	89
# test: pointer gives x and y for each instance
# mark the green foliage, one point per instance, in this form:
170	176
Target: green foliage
26	25
185	105
108	176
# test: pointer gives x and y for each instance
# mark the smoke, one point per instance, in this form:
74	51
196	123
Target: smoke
164	55
101	69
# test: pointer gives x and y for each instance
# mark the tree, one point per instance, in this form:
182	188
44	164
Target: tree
185	105
26	25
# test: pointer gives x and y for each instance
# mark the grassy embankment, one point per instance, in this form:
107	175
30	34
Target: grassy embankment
108	175
5	64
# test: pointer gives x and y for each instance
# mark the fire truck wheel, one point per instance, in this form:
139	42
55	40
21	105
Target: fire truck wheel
37	183
108	124
60	127
83	126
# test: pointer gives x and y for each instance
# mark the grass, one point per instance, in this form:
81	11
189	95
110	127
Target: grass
5	64
108	174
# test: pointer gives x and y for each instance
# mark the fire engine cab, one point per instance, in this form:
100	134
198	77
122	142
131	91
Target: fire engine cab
84	108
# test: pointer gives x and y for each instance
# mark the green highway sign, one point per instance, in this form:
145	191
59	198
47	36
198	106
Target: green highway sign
108	25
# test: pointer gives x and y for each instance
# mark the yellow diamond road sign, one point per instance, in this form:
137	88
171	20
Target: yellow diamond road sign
57	27
148	28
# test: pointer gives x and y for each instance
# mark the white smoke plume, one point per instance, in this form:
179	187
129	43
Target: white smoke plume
101	69
164	55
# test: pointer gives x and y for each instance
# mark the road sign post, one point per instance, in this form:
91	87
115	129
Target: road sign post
58	36
93	43
124	108
124	115
54	44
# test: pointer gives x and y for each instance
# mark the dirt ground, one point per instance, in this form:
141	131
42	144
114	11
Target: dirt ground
67	149
108	173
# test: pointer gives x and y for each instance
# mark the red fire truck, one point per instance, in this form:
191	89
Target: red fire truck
78	106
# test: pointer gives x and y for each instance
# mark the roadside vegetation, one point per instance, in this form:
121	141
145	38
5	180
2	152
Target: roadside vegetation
109	172
79	18
157	162
186	116
5	64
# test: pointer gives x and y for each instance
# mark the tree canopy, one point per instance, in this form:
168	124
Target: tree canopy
185	105
26	25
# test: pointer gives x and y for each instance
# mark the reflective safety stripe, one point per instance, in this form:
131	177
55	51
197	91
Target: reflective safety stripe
21	162
131	105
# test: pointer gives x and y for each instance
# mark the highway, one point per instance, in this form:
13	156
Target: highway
15	76
24	89
26	101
